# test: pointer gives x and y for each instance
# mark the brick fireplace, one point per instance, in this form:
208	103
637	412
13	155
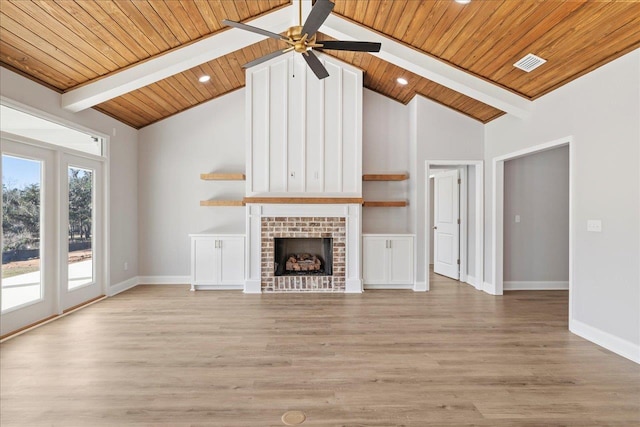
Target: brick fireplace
273	228
338	223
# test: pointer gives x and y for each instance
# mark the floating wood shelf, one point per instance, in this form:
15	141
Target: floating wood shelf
221	203
385	204
303	200
400	176
223	176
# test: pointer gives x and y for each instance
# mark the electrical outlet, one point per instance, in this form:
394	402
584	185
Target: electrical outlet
126	266
517	218
594	225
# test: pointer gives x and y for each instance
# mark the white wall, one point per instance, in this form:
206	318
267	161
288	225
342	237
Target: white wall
385	148
123	184
436	133
173	153
601	111
536	188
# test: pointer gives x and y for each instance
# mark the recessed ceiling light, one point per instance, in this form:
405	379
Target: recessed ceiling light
204	79
402	80
463	1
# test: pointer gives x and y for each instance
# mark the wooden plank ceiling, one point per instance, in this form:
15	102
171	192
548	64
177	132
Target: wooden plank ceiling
65	44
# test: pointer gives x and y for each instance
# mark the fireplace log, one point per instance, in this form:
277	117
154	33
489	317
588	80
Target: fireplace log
303	262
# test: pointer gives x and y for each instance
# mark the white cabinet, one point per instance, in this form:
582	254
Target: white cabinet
388	260
217	261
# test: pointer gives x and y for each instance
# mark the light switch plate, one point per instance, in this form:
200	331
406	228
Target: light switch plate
594	225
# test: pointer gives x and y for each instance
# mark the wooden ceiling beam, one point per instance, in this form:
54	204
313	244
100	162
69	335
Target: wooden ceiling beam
174	61
430	68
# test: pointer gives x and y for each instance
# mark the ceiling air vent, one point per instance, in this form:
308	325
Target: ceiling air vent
529	63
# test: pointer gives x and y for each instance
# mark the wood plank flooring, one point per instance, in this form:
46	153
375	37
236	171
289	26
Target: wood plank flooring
164	356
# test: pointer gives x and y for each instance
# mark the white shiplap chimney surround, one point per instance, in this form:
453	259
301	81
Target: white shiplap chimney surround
304	169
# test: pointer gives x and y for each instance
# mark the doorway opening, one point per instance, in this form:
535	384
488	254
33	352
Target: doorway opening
536	221
498	217
454	242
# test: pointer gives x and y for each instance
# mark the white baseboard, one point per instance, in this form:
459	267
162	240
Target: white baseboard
164	280
535	286
420	287
122	286
219	287
604	339
387	286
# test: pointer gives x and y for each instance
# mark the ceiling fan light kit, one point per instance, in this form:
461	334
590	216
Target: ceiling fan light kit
302	39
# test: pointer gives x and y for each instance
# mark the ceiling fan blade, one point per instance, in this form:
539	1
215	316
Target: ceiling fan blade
319	13
349	45
264	58
253	29
315	65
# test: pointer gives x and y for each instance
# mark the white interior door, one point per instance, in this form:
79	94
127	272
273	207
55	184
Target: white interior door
446	233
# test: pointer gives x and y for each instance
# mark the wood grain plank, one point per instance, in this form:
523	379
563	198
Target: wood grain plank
58	63
148	25
15	59
41	38
430	22
192	10
167	15
223	176
83	35
108	14
400	176
93	25
450	357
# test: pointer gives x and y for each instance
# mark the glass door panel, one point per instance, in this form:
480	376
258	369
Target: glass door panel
28	285
82	228
21	219
80	197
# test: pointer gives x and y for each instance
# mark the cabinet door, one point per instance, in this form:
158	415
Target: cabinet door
374	260
231	260
204	261
401	260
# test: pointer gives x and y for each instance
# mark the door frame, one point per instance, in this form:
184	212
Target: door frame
497	212
59	151
479	222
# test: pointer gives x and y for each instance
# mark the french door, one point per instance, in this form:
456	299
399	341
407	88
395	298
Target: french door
52	233
81	233
29	225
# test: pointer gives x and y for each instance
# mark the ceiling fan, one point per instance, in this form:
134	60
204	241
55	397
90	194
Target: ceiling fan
302	39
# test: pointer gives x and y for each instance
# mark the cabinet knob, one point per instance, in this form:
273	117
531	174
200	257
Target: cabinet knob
435	228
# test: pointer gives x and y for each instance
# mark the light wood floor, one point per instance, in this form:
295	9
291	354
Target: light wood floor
164	356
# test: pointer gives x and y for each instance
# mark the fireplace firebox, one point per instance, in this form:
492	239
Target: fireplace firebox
303	256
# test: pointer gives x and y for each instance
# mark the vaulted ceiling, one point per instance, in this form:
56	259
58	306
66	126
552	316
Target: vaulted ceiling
139	60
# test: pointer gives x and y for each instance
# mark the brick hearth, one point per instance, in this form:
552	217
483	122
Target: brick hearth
305	227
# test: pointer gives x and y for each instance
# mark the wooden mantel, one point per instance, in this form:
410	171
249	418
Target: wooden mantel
303	200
